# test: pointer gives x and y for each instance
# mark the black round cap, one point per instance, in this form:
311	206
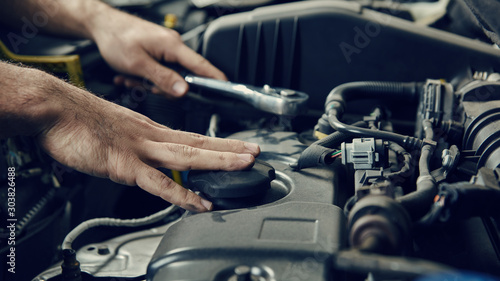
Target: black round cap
234	184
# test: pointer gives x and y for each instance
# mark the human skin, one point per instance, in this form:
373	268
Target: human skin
129	44
98	137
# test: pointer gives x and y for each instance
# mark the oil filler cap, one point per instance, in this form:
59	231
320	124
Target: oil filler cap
234	184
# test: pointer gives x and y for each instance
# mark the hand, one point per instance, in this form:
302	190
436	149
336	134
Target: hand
136	47
103	139
130	45
106	140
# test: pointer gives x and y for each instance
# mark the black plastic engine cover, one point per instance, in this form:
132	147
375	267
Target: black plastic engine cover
313	46
293	237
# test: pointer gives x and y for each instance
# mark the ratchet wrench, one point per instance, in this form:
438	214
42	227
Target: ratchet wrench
279	101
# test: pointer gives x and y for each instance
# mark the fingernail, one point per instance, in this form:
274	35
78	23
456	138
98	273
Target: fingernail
207	204
179	88
253	148
246	157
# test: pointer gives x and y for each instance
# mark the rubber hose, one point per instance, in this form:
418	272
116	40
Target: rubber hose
336	138
405	141
341	94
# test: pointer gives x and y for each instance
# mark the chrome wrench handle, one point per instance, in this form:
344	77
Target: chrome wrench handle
279	101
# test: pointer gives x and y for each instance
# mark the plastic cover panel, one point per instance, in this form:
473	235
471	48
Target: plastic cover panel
278	239
313	46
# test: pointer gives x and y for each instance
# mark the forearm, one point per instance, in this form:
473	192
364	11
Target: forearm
78	18
28	100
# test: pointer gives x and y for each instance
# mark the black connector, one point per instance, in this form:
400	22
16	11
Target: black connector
71	266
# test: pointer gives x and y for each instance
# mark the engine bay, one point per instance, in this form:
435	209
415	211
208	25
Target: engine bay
378	123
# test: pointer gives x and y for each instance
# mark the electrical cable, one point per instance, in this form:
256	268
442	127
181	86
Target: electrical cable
417	203
435	212
82	227
336	154
336	138
400	151
340	95
405	141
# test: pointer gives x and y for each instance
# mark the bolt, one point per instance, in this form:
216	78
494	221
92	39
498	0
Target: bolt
287	93
103	250
445	152
480	75
243	273
447	159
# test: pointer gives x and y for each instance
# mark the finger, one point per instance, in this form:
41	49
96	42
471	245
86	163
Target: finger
132	82
203	142
198	64
183	157
119	80
157	183
127	81
157	91
164	78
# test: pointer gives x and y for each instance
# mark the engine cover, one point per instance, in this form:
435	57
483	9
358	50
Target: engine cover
292	238
313	46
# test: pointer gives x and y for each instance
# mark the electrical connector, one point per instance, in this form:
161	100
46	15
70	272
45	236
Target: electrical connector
364	153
